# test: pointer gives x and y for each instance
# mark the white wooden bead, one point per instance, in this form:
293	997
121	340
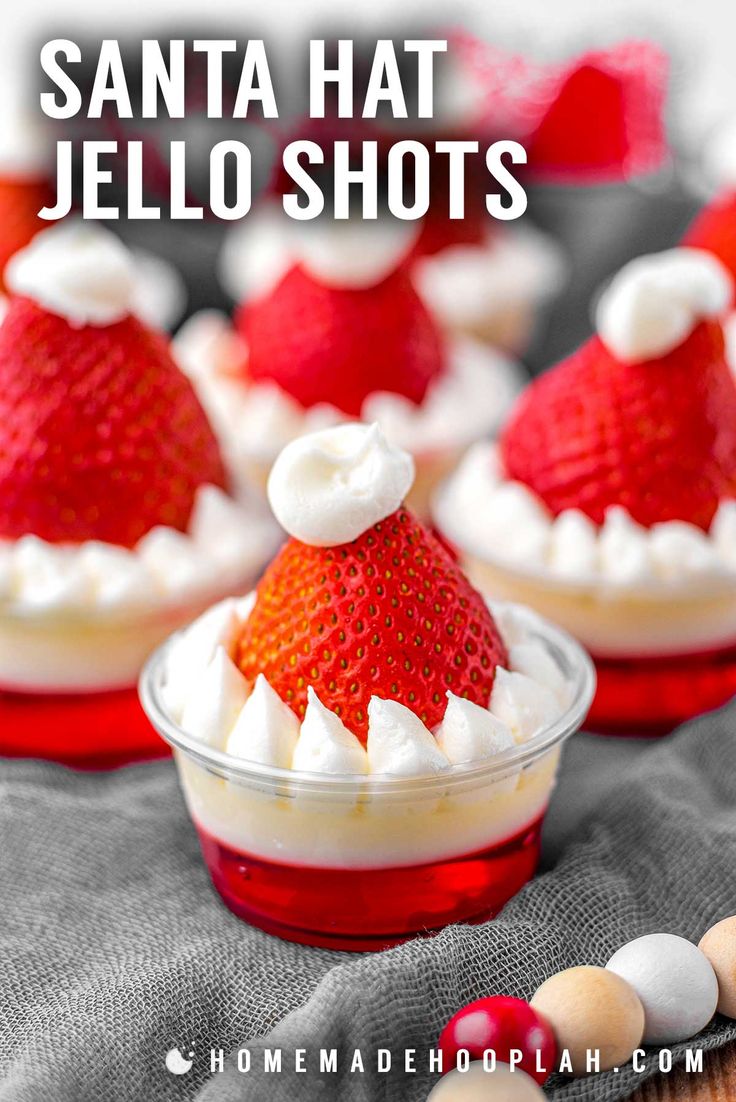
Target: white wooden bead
675	982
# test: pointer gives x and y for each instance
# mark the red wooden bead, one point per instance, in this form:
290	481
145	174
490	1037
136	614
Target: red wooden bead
501	1023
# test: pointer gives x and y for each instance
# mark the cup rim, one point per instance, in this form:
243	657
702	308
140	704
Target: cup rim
578	666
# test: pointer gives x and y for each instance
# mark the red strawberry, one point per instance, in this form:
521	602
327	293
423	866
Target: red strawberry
657	437
714	229
623	90
389	615
336	345
561	141
20	202
101	436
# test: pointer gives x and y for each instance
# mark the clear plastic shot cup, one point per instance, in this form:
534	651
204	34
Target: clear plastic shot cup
366	862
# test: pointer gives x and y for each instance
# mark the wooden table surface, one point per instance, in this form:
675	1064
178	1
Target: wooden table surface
716	1084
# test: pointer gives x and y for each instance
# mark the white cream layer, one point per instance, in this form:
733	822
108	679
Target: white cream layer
256	420
211	700
469	285
369	831
502	523
85	616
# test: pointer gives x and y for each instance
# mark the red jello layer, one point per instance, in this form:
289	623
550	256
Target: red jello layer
651	696
86	730
360	909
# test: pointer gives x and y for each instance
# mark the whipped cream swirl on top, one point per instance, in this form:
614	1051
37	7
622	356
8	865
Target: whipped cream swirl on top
76	270
653	304
331	486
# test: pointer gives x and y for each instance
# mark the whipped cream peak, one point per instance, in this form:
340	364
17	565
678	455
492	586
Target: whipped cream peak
522	704
469	733
328	487
653	304
325	744
77	270
266	730
399	743
219	695
353	253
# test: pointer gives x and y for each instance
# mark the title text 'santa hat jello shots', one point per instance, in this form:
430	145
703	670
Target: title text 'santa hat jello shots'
116	524
609	504
333	329
366	747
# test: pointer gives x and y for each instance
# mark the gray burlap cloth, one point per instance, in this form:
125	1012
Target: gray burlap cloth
114	948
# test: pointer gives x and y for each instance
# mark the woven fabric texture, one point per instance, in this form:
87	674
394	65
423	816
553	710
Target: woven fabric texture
114	948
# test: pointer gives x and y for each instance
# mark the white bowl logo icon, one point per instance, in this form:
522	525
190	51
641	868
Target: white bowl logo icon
176	1063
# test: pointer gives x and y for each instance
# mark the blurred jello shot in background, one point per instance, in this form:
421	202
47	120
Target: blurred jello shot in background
367	748
27	154
333	329
488	280
609	504
714	226
117	523
25	164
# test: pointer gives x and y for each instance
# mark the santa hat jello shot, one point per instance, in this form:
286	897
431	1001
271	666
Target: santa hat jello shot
714	226
610	503
25	187
26	163
366	747
116	523
489	280
334	329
